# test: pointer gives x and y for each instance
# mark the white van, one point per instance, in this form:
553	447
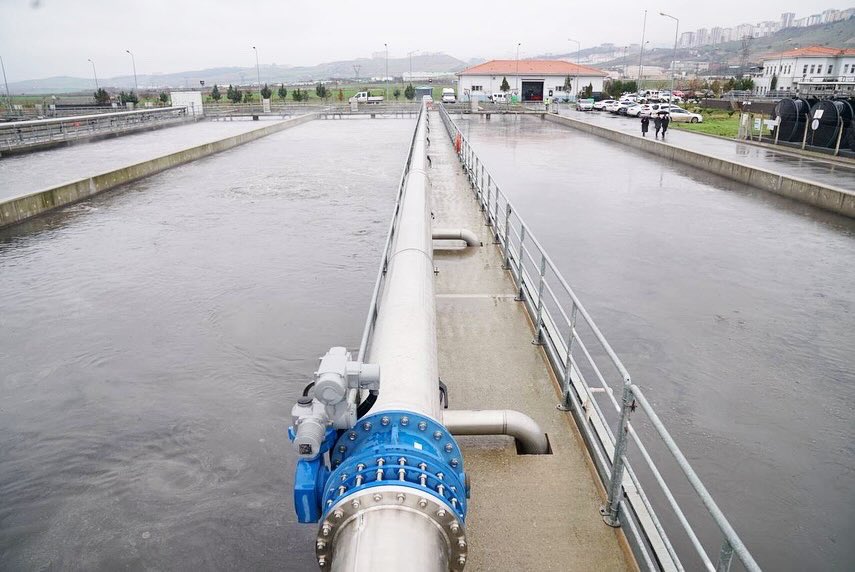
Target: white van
500	97
448	95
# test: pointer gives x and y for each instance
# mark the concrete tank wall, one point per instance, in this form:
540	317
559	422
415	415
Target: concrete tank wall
825	197
21	208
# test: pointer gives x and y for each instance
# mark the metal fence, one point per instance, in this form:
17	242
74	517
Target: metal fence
585	364
226	111
20	135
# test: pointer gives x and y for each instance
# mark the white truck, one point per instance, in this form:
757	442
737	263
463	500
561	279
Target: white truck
363	97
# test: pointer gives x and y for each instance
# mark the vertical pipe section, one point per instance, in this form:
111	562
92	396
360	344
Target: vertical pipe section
404	342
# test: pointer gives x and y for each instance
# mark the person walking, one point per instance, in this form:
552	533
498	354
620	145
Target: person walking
666	119
645	125
657	124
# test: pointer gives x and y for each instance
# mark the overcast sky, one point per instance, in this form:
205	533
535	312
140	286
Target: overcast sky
41	38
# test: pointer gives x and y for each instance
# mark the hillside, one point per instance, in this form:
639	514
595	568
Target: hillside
272	74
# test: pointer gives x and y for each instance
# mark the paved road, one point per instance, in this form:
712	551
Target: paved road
826	172
23	174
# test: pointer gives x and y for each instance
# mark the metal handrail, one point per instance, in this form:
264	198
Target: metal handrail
624	506
384	258
23	134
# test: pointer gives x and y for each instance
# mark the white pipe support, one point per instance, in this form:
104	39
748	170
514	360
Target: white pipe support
463	234
524	429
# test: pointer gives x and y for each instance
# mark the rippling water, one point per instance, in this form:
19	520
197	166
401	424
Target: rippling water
733	308
154	339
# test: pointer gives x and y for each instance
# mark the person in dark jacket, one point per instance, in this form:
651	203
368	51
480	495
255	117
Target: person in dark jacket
666	119
657	124
645	125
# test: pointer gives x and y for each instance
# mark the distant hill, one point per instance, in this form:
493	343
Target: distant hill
838	34
271	74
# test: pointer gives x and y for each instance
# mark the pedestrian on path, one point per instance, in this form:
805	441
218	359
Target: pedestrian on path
666	119
645	125
657	124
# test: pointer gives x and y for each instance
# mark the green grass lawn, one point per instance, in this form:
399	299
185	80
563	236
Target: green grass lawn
716	122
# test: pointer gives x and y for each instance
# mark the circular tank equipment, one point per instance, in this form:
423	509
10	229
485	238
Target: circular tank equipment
793	115
828	118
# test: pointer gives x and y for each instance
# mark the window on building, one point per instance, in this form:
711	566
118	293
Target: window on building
804	71
845	69
812	68
559	88
477	88
830	67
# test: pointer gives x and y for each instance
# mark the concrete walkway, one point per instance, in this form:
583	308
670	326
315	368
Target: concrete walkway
811	169
533	512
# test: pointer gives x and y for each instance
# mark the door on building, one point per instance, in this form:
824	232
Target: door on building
532	91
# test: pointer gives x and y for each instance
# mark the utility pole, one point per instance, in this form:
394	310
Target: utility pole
410	54
356	71
6	83
519	89
674	57
578	49
258	74
93	73
641	56
386	77
134	63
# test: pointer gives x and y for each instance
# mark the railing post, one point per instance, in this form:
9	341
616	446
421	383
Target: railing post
507	253
538	323
482	186
725	557
521	282
568	363
612	507
489	183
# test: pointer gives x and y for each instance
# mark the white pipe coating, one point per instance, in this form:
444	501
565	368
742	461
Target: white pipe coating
520	426
463	234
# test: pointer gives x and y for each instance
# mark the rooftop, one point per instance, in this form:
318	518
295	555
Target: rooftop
813	52
532	67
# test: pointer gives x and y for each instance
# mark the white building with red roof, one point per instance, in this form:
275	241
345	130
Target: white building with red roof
533	80
812	70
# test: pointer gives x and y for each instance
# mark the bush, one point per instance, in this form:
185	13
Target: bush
410	92
265	92
283	93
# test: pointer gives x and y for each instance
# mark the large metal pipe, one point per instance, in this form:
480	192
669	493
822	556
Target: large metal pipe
401	525
404	342
463	234
532	440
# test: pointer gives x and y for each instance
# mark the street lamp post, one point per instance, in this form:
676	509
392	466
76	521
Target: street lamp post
386	77
519	88
674	57
410	55
93	73
578	49
134	64
258	73
641	55
6	83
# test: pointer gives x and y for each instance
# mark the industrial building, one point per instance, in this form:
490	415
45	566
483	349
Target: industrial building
531	80
812	70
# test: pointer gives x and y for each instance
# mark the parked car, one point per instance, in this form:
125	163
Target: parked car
448	95
683	116
612	107
499	97
634	110
601	105
585	105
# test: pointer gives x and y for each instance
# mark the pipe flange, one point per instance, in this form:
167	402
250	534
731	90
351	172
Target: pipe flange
393	498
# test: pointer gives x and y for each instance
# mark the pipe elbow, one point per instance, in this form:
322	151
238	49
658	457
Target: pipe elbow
463	234
525	430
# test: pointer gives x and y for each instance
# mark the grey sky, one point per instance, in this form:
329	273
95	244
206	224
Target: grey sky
40	38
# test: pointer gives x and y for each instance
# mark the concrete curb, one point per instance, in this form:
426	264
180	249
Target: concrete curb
19	209
826	197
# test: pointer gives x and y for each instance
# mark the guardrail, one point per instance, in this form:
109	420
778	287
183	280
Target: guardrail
578	352
371	320
20	135
288	109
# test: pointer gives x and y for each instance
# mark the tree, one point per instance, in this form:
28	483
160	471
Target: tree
340	95
321	91
410	92
715	86
505	85
396	94
568	84
101	96
128	98
234	94
283	93
247	97
215	93
163	97
773	85
265	92
297	94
